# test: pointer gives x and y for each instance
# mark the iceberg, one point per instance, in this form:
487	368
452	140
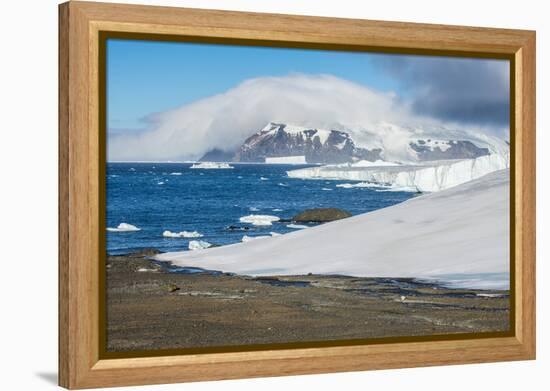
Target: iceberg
286	160
297	226
211	166
461	231
259	219
124	227
182	234
424	177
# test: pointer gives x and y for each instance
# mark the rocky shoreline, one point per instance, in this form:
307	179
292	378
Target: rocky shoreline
153	305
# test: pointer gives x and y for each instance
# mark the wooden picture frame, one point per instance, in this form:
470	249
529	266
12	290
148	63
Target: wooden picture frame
82	160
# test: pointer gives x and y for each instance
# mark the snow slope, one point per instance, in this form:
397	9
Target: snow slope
425	177
460	234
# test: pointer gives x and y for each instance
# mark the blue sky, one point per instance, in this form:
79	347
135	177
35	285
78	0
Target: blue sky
145	77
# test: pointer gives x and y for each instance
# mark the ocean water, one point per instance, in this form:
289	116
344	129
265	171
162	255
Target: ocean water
171	196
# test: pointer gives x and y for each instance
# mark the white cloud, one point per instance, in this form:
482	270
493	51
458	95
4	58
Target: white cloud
224	121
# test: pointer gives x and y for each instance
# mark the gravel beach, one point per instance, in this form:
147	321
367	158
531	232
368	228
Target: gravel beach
151	305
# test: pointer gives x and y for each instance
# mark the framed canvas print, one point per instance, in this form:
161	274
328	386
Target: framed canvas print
247	195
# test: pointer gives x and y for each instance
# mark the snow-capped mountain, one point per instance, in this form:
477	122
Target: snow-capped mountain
317	145
338	145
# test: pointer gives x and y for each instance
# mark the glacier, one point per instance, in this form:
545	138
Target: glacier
424	177
460	235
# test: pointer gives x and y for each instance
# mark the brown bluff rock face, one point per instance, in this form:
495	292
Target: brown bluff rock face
321	215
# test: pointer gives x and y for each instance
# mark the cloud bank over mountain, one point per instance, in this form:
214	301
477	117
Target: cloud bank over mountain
225	120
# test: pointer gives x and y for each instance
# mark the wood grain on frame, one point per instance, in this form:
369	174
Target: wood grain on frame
81	160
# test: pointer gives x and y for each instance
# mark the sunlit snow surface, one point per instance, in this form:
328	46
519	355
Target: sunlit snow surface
459	235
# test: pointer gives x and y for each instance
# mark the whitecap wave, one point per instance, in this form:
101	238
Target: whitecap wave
211	166
124	227
361	185
408	189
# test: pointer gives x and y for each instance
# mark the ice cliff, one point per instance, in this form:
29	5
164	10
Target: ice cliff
424	177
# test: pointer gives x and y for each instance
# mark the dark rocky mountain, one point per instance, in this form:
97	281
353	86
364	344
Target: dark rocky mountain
317	145
442	150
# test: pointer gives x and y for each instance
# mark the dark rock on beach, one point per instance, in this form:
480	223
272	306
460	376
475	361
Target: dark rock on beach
151	305
321	215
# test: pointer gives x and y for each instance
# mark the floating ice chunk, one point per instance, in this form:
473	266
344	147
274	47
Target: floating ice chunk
160	183
283	184
182	234
211	165
326	189
297	226
176	173
253	209
124	227
263	178
277	210
259	219
198	245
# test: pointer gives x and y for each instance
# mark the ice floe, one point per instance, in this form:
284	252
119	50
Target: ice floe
259	219
182	234
124	227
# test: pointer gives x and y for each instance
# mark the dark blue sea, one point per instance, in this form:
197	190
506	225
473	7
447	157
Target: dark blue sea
156	197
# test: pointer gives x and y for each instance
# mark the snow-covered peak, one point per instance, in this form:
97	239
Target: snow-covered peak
307	132
351	143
